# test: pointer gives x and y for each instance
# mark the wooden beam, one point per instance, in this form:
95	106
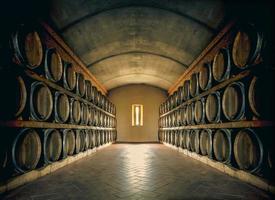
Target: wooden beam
38	124
238	124
75	58
210	49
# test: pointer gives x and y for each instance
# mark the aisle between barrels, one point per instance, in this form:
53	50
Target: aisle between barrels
137	171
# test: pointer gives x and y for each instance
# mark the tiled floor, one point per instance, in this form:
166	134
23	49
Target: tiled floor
137	171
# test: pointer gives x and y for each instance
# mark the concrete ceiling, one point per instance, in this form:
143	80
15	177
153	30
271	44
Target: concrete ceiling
145	41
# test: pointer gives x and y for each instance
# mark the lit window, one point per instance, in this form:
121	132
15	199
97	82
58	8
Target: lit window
137	115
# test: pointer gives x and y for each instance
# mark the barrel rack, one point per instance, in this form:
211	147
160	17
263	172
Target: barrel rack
224	39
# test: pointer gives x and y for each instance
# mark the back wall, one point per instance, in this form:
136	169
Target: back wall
123	98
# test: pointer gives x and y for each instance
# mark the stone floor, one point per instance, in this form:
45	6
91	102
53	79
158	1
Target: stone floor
137	171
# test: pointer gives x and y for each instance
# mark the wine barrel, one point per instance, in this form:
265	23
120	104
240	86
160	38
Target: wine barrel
189	114
195	140
99	102
86	139
194	84
80	140
213	107
41	101
176	99
94	94
248	150
180	95
186	139
247	47
96	117
177	138
84	114
15	99
91	139
183	115
221	65
222	145
89	94
186	90
53	65
26	150
260	107
173	119
61	107
178	117
199	111
52	145
69	76
92	116
75	111
206	142
205	77
27	47
80	85
68	142
233	101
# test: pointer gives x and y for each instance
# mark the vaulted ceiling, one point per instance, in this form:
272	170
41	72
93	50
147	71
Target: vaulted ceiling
137	41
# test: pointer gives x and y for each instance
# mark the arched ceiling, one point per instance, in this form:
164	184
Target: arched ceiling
146	41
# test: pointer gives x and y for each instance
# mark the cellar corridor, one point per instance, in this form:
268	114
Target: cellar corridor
137	171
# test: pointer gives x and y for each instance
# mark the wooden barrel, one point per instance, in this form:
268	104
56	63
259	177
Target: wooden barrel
180	95
186	90
222	145
233	101
91	138
68	142
178	117
206	142
15	99
80	85
247	47
213	107
80	140
199	111
260	107
186	139
53	65
194	84
84	114
221	65
99	100
96	117
195	140
205	77
87	139
248	150
27	47
94	96
61	107
173	119
88	90
52	145
75	111
69	76
41	101
176	99
26	150
183	115
91	116
189	114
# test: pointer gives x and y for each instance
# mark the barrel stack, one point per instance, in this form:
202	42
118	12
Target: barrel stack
223	109
52	109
